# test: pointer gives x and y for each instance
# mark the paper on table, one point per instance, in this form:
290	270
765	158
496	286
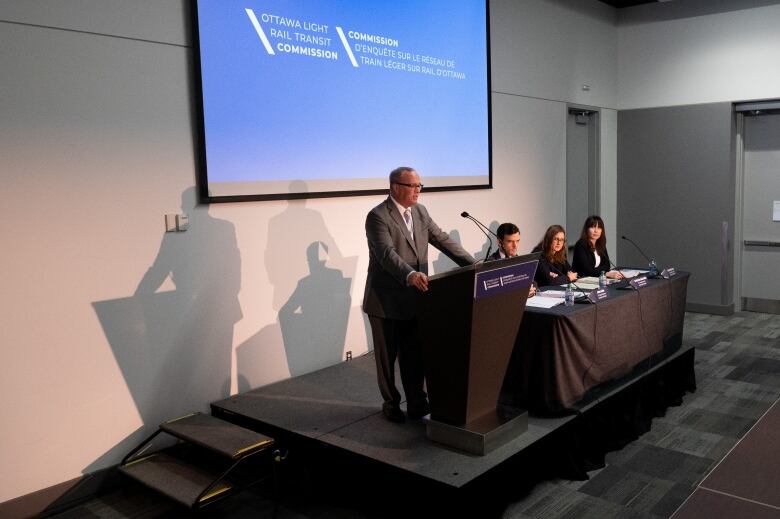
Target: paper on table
560	293
588	283
591	283
630	273
543	302
550	293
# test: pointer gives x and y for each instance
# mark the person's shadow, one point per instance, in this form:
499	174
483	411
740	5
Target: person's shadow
174	348
312	296
289	234
490	243
443	263
314	319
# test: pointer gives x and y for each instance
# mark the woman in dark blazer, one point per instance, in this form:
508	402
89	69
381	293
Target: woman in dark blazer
590	251
553	269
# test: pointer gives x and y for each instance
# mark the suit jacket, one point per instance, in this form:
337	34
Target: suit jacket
584	261
544	269
393	255
495	256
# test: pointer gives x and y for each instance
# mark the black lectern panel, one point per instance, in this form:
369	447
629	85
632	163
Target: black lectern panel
468	323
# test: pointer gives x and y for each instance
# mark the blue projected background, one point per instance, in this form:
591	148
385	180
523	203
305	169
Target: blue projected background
337	93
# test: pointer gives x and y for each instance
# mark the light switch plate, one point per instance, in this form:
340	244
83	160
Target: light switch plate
182	222
170	222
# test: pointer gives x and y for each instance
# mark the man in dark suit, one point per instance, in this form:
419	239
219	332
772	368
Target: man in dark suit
508	241
399	231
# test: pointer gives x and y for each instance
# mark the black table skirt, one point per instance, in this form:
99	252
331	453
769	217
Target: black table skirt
563	352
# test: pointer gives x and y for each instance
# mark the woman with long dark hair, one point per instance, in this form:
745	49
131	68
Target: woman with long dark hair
554	268
590	251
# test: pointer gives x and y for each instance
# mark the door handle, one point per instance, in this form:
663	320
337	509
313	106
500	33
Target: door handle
759	243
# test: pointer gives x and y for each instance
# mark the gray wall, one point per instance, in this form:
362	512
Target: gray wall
684	55
675	190
698	51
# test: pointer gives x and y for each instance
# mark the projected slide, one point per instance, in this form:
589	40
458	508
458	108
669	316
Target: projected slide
326	97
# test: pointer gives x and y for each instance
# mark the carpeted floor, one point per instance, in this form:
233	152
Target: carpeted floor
738	377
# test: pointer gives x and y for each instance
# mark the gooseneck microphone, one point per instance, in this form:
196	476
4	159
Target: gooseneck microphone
482	228
629	240
650	262
583	297
614	265
464	214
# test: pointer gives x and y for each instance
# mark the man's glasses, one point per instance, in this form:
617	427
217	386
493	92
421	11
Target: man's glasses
413	186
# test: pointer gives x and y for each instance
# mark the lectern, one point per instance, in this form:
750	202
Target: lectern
468	322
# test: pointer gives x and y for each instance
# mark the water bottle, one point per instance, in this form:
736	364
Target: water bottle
602	279
568	297
653	269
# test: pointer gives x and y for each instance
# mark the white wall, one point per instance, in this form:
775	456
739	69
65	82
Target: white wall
543	52
699	56
552	48
97	145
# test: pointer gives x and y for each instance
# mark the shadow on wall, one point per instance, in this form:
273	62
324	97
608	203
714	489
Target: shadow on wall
311	283
174	347
289	234
443	263
316	315
490	243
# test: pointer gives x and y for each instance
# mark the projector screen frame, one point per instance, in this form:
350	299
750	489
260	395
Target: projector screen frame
201	172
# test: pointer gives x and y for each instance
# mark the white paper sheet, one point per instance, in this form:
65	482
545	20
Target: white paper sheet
559	294
543	302
630	273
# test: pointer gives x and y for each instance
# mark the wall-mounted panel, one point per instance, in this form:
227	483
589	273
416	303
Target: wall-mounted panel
676	190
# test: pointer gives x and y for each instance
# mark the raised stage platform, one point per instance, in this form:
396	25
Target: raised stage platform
332	418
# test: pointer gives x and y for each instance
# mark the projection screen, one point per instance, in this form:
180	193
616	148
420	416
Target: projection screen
312	98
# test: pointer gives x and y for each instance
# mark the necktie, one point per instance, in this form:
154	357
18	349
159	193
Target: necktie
408	220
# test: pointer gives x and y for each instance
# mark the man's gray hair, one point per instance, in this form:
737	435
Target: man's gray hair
395	175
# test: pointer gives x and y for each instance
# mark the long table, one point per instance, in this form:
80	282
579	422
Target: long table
563	352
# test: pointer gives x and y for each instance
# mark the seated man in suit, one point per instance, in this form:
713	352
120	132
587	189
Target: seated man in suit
398	232
508	244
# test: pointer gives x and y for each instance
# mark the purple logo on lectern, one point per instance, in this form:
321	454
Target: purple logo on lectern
504	279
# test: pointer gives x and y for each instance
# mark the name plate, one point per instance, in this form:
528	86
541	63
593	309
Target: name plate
668	272
600	294
504	279
638	282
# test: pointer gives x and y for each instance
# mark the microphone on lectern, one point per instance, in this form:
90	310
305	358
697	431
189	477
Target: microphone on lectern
464	214
482	228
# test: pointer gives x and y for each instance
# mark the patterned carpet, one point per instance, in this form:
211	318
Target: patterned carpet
738	377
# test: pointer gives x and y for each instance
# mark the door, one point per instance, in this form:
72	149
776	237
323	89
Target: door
760	262
582	167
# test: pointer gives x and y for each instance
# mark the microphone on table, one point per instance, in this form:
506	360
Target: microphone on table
482	227
650	262
583	297
624	278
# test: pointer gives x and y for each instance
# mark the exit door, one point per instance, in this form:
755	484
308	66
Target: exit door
760	263
582	169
